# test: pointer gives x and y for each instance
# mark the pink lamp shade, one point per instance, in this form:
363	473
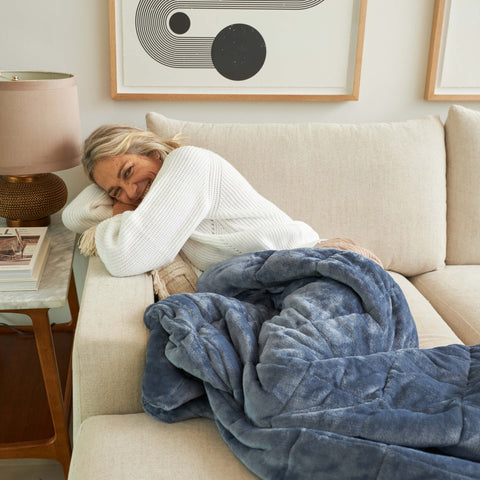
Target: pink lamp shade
39	134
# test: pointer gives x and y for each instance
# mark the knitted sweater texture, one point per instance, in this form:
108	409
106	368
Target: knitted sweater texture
198	203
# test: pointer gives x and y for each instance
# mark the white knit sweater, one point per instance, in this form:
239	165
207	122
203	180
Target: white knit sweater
198	203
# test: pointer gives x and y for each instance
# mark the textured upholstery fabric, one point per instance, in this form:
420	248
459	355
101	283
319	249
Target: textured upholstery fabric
382	185
136	447
455	293
110	341
432	330
462	131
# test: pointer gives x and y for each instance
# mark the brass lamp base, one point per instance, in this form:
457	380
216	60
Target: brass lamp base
29	200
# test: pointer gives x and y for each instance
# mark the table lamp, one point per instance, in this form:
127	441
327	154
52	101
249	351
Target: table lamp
39	134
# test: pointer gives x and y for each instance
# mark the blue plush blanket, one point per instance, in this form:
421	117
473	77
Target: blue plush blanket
308	361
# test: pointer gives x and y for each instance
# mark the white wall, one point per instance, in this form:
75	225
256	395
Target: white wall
72	36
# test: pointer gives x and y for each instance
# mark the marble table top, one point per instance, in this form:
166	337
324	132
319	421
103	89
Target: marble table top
53	287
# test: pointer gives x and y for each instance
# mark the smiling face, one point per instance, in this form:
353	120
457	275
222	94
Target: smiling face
127	178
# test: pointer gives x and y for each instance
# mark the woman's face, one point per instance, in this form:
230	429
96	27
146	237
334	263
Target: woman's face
127	178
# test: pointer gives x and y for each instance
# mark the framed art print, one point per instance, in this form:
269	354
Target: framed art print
453	68
236	49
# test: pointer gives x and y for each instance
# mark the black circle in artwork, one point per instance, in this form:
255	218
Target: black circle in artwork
238	52
179	23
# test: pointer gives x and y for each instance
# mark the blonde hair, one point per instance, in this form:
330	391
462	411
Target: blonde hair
114	140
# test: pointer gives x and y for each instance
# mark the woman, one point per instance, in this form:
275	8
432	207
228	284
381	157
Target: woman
152	198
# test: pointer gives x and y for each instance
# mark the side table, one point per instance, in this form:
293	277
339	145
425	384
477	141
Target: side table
35	363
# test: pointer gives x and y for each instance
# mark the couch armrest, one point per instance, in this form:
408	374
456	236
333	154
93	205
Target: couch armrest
110	344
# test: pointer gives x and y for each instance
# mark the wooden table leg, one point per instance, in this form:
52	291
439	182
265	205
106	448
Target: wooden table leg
58	447
74	310
73	301
48	363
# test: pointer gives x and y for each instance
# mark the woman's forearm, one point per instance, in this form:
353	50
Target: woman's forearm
88	209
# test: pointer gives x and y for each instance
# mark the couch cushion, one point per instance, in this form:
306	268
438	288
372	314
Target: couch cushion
126	447
462	130
382	185
108	357
454	293
432	329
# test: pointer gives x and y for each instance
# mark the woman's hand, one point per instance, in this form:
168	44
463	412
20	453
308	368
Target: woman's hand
120	207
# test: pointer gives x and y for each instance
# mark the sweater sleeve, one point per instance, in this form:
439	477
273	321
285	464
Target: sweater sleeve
152	235
91	206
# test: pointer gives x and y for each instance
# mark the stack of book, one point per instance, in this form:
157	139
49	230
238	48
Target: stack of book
23	256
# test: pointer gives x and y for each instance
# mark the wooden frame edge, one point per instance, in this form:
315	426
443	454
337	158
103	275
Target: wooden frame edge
354	96
434	53
362	19
434	57
113	49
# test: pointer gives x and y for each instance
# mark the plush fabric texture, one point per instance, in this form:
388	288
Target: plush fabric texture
307	360
380	184
111	340
462	131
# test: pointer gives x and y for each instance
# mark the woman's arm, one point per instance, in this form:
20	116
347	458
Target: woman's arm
152	235
91	206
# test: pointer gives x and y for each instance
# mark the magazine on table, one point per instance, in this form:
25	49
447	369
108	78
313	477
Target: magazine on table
21	249
32	282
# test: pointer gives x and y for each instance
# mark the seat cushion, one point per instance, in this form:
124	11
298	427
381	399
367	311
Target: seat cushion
381	184
462	135
454	293
432	329
135	446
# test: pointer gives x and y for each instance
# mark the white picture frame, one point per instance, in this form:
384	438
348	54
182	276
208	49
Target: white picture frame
228	50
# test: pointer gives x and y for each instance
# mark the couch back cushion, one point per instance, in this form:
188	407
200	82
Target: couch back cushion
382	185
462	130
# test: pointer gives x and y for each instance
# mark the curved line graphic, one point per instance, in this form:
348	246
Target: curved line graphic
192	52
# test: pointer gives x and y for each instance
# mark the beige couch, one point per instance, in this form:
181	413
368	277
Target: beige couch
409	191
